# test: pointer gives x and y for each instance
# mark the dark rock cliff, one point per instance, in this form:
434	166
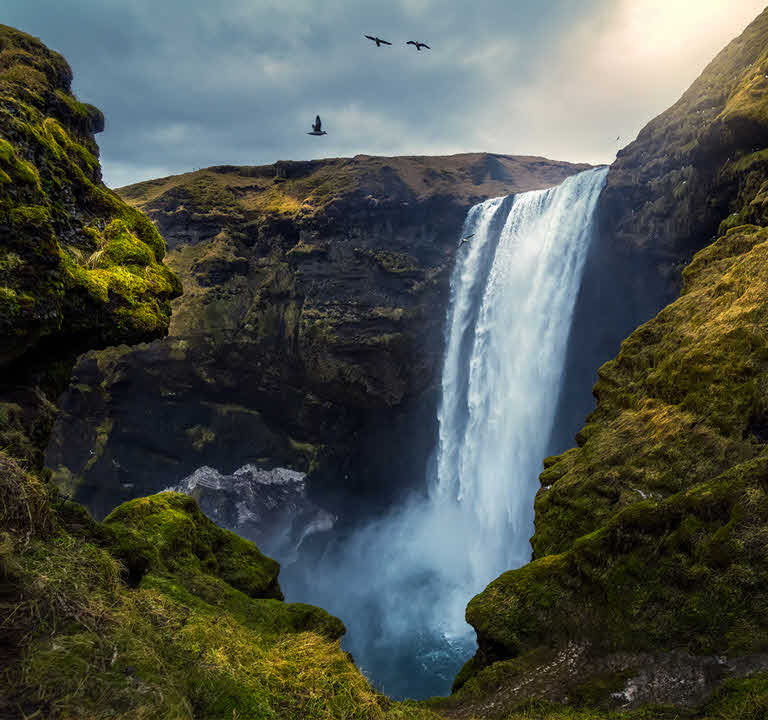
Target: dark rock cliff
309	334
696	166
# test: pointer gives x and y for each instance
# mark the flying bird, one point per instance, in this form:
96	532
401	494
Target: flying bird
418	45
466	239
317	128
379	42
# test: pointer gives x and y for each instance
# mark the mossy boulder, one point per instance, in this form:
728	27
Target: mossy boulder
688	573
168	533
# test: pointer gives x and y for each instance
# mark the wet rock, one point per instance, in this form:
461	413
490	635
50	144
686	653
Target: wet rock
268	507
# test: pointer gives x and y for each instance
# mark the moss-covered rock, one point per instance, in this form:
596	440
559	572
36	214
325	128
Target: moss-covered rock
651	536
168	533
698	164
682	402
79	268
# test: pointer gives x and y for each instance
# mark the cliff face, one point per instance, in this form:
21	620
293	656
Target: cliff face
78	267
309	334
698	165
649	576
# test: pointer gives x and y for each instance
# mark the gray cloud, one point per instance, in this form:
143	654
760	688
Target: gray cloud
192	83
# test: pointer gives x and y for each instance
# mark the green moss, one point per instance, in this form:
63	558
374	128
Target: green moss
17	170
182	642
201	436
168	532
745	699
678	404
210	595
26	215
393	263
123	247
688	573
92	263
307	250
9	301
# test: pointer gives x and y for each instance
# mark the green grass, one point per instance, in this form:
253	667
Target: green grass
157	613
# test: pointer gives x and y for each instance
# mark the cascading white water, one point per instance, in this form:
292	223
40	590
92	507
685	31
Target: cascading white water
401	584
504	361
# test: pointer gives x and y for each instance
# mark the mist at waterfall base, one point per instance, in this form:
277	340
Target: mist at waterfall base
401	583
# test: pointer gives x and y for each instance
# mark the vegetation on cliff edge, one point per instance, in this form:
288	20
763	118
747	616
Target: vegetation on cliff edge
79	268
75	260
652	535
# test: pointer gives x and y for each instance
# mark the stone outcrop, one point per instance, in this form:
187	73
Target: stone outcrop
79	268
267	507
309	334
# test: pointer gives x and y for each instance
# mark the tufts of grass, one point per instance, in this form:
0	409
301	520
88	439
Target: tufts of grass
195	634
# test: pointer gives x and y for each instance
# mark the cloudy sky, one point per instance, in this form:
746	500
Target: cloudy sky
190	83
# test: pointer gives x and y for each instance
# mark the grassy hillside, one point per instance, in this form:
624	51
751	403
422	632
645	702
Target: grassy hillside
650	574
158	613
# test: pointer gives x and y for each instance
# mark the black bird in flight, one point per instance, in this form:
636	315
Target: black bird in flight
418	45
466	239
317	128
379	42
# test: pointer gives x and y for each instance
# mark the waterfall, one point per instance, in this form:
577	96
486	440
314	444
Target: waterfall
401	584
507	329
